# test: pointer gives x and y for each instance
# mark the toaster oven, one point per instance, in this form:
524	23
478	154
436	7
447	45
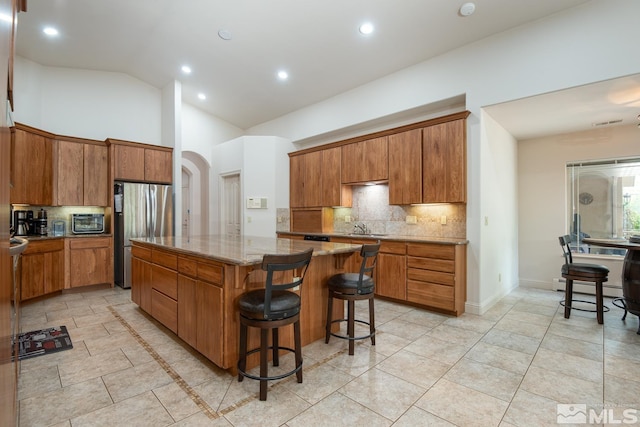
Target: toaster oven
87	223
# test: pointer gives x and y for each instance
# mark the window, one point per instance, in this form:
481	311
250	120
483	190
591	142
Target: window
603	201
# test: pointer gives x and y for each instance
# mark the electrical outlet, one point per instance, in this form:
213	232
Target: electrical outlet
411	219
248	219
347	219
486	220
443	220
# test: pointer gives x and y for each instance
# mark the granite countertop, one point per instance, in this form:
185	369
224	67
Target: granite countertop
51	236
395	237
244	250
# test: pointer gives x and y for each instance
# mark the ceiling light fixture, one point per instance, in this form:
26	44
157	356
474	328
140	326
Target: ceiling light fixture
6	18
467	9
202	96
50	31
186	69
225	34
283	75
366	28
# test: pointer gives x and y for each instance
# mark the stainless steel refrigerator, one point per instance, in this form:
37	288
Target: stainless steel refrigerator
141	210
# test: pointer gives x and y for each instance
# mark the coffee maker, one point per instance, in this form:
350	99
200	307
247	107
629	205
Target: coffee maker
40	224
22	221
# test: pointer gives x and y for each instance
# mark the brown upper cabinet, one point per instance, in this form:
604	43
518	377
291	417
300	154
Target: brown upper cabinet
405	167
365	161
31	166
134	161
315	180
444	162
82	172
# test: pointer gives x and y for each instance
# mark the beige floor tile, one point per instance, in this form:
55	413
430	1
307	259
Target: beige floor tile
527	317
213	392
317	383
477	409
622	368
92	367
404	329
63	404
69	313
470	322
93	318
38	381
383	393
281	406
336	410
445	352
500	357
560	387
200	419
585	331
572	346
622	350
109	343
176	401
512	341
416	369
528	409
363	359
622	392
77	354
140	411
416	417
484	378
513	325
87	332
455	335
386	344
568	364
136	380
534	307
195	371
424	318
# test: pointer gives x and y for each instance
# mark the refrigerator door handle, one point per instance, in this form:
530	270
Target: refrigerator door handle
153	198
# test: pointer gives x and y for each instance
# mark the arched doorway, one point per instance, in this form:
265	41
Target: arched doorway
195	194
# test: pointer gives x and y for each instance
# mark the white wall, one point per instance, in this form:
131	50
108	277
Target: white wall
201	131
542	202
87	104
584	45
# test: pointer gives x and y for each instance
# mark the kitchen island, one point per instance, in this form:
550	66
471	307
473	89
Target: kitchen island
191	285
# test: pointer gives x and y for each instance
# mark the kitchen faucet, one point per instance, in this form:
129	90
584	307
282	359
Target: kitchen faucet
360	228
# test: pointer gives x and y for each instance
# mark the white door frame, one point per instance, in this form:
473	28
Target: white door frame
230	204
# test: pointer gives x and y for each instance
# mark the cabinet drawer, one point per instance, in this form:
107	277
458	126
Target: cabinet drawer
89	243
165	259
188	267
431	276
36	247
142	253
444	265
165	281
164	310
210	273
431	294
431	251
398	248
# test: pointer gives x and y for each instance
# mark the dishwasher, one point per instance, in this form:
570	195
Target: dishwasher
315	238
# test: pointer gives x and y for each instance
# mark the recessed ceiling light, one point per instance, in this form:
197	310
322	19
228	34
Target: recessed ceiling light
283	75
6	18
50	31
225	34
186	69
467	9
366	28
202	96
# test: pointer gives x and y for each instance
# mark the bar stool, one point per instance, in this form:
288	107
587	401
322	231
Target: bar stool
269	309
352	287
584	272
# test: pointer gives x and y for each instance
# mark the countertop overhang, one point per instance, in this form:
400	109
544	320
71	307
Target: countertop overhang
243	250
375	236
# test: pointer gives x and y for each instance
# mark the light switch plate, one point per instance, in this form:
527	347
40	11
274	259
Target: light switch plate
411	219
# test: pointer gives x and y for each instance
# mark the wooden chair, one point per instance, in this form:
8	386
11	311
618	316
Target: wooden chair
269	309
598	274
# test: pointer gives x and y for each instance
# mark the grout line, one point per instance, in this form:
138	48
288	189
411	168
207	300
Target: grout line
212	414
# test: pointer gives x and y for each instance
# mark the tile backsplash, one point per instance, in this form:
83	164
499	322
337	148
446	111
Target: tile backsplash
371	208
61	213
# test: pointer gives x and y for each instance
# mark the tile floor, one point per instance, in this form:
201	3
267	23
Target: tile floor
509	367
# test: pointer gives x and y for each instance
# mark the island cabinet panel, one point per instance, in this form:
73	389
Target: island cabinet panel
42	268
164	310
405	167
90	261
444	162
141	278
365	161
200	308
165	281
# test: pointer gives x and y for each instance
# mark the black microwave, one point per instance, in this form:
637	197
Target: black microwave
87	223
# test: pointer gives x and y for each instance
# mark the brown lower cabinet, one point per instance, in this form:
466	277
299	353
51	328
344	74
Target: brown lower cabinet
432	275
90	261
184	294
42	268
